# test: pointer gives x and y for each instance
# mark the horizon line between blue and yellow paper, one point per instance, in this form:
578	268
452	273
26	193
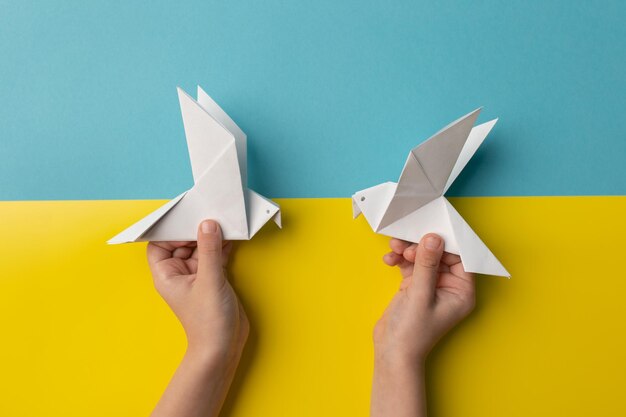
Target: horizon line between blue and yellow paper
332	96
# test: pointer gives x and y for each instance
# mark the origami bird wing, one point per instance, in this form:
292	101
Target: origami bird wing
473	142
135	232
428	168
206	137
227	123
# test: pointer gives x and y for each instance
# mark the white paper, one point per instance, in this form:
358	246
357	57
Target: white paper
217	152
416	205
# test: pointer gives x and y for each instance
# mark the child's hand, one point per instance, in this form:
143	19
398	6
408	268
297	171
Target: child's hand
191	278
435	294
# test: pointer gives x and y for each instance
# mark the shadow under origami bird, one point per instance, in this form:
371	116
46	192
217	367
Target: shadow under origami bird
217	151
415	205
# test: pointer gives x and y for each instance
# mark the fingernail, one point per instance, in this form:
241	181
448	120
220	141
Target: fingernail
209	227
432	242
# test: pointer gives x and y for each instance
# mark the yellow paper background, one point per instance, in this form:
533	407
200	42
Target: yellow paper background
85	334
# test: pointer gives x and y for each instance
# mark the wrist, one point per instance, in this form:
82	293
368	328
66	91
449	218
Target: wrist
399	361
398	373
398	386
215	347
213	357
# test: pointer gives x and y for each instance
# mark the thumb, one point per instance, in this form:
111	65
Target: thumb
426	269
210	252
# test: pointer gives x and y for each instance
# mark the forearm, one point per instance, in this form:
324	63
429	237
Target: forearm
199	386
398	389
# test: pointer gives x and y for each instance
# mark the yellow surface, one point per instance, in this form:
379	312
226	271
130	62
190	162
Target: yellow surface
85	334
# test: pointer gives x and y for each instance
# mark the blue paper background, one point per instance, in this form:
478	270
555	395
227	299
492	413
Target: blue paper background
332	94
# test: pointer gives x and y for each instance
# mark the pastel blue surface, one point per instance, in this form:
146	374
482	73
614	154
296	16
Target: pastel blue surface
332	94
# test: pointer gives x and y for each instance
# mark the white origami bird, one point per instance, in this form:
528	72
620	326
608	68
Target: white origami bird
416	206
217	150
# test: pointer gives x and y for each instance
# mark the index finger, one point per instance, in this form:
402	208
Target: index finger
398	246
